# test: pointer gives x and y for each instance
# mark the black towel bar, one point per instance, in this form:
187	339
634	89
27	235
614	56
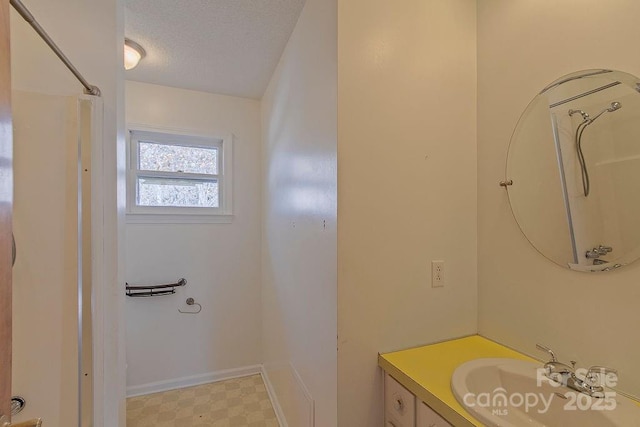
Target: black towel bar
153	290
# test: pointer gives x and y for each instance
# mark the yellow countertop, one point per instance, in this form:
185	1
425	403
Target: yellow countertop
426	371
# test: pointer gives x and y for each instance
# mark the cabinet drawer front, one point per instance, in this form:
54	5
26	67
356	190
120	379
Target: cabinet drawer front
427	417
399	404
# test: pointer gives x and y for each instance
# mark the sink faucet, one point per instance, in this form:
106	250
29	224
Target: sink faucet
566	375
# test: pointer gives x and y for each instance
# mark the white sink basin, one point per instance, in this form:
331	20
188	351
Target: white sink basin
514	393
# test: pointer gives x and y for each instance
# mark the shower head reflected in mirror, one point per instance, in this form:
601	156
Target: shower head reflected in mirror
586	121
614	106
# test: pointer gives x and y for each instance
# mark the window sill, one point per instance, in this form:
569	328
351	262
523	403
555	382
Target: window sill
140	218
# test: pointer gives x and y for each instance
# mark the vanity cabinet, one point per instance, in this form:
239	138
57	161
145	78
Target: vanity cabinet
399	404
403	409
427	417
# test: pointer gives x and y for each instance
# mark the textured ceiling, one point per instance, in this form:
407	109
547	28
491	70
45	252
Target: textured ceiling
222	46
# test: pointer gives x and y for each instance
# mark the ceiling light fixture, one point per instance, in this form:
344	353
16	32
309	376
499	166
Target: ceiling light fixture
133	53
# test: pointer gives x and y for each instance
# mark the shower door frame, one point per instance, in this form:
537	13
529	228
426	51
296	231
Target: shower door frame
563	183
92	156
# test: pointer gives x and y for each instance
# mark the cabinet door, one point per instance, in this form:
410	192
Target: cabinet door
399	404
427	417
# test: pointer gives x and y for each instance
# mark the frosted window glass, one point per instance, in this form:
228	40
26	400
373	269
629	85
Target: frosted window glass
176	158
177	192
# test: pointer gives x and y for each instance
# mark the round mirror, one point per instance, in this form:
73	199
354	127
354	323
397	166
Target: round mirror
573	171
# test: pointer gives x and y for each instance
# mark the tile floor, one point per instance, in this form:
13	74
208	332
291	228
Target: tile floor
237	402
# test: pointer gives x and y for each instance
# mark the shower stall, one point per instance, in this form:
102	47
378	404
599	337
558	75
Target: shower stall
57	164
52	275
593	121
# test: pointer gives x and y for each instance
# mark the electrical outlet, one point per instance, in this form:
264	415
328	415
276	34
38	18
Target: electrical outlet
437	274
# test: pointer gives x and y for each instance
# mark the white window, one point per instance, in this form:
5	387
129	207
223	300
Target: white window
177	175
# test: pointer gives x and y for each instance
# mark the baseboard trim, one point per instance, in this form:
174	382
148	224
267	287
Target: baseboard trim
307	395
194	380
282	420
277	408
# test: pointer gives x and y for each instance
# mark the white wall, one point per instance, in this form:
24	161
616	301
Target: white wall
299	221
525	299
221	262
406	186
91	35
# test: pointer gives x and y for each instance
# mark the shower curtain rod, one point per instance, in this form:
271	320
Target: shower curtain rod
89	89
587	93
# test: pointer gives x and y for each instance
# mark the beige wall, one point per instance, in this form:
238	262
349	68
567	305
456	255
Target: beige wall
299	221
407	186
45	274
221	262
523	298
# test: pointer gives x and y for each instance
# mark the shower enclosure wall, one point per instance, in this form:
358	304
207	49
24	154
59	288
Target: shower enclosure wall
52	275
58	222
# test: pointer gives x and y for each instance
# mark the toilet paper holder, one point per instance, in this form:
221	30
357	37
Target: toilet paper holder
192	302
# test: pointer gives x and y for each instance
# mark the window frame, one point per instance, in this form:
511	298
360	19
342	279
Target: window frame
179	214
